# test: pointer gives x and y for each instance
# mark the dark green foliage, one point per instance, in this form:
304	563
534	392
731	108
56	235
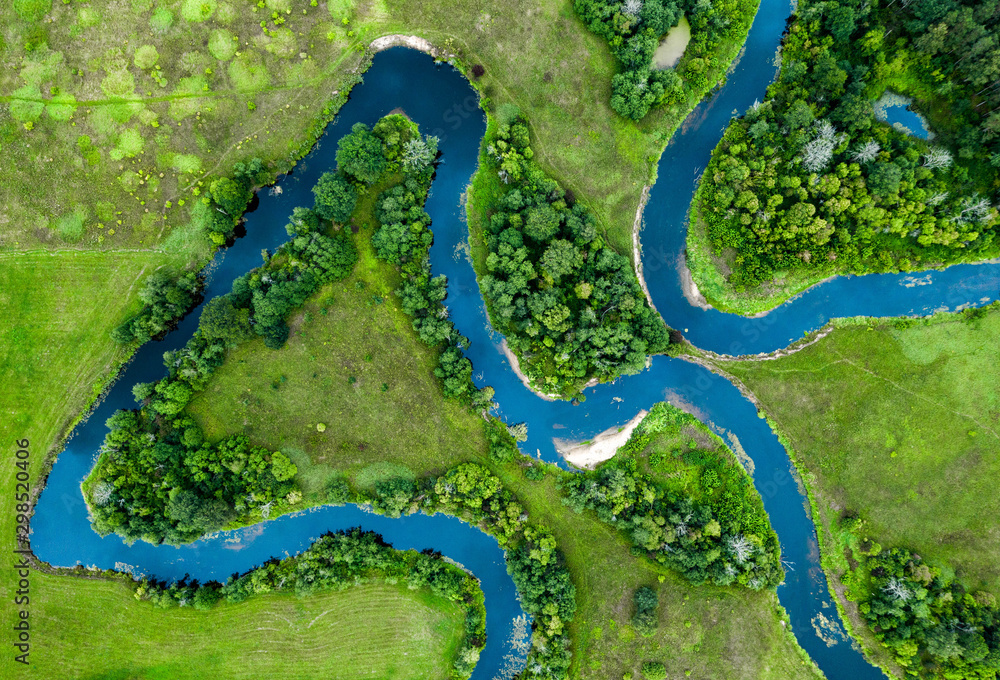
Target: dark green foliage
810	180
167	298
404	232
335	197
222	320
570	307
359	155
645	619
720	536
335	562
502	445
654	670
933	627
232	195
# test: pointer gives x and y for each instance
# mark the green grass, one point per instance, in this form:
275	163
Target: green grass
410	430
392	411
899	424
378	631
266	99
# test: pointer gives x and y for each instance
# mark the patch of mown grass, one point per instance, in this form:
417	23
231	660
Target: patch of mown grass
388	631
897	420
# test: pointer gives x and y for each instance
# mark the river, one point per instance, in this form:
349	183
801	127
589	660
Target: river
442	102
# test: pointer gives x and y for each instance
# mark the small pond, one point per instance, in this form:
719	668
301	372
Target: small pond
672	46
895	110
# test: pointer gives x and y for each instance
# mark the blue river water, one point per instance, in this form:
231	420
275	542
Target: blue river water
443	103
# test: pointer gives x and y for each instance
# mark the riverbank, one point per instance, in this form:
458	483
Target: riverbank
589	454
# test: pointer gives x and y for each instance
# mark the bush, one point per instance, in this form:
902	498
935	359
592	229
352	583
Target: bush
654	670
335	197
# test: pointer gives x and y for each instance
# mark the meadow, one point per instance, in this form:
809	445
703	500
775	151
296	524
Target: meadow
379	630
894	420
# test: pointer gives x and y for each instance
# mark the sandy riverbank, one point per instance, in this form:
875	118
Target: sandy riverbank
636	255
599	449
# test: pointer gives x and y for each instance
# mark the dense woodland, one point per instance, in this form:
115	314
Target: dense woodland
932	625
811	180
166	297
724	537
634	28
335	562
570	307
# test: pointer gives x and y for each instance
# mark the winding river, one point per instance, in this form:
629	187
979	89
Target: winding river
443	103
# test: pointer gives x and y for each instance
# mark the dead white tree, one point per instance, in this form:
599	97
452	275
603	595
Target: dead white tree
898	590
935	159
937	198
818	153
265	510
866	152
741	547
102	493
632	8
973	209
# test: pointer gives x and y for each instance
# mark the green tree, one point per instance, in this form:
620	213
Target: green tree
359	154
335	197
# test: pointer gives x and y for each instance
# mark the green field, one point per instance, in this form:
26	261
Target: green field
96	630
896	420
129	108
278	398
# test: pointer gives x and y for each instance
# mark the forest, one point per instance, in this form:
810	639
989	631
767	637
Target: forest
339	560
634	29
934	627
812	180
722	538
570	307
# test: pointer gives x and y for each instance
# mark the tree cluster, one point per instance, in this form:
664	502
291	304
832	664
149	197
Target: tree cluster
570	306
337	561
166	299
634	28
934	628
721	536
403	238
811	180
227	198
645	619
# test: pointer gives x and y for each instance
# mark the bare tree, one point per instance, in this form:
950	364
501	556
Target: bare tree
937	198
974	209
818	153
102	493
936	159
632	8
741	547
866	152
898	590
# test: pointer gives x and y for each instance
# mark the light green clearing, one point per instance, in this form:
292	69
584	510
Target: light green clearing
672	46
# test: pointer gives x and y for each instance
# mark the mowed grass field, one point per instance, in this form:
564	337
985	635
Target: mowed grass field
902	425
278	398
96	630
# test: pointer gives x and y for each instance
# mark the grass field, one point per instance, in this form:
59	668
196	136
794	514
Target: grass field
148	108
377	631
900	422
712	632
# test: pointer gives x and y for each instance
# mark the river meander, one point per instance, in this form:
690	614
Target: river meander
443	103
